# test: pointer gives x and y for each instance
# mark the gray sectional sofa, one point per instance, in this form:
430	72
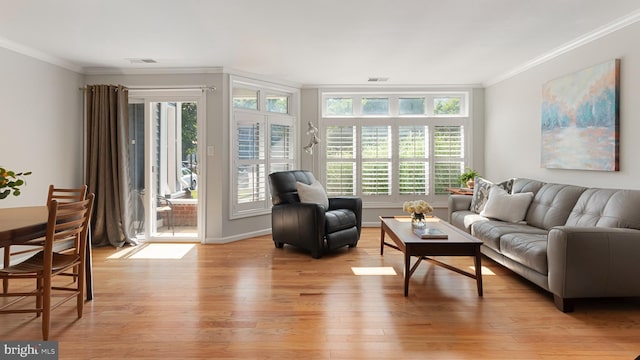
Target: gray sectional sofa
574	242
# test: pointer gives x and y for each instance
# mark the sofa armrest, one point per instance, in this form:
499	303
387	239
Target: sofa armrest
352	203
299	224
458	203
593	262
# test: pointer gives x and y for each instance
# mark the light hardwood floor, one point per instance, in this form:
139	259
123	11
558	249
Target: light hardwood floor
249	300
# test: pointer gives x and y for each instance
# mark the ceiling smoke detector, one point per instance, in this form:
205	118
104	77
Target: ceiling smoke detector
142	61
378	79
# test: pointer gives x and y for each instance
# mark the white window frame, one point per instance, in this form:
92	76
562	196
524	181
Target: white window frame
394	119
266	119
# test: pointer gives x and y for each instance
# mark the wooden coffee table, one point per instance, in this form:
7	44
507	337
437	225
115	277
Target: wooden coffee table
458	243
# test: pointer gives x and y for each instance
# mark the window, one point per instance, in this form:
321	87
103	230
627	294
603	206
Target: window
341	160
449	105
413	166
393	147
338	106
375	106
448	156
376	160
262	142
411	106
245	99
278	104
251	158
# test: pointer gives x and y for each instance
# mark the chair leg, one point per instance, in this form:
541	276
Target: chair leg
80	298
46	308
39	294
6	263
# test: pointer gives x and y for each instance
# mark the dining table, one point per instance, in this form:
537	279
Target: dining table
19	225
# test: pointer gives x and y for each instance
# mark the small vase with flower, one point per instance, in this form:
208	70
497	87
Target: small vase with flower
419	210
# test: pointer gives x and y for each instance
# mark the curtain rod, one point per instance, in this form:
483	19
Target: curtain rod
203	88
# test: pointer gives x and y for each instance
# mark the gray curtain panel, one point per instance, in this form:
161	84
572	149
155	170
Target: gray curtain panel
107	127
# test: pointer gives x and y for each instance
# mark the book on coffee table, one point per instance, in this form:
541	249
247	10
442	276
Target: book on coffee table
430	233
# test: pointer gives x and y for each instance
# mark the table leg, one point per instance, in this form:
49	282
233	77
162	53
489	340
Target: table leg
381	240
478	266
407	273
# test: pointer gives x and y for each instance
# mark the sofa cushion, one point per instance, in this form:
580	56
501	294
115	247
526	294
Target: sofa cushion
313	193
481	192
527	249
606	208
491	231
507	207
552	205
521	185
463	219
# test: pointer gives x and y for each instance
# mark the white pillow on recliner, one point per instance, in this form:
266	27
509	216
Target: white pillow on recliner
313	193
506	207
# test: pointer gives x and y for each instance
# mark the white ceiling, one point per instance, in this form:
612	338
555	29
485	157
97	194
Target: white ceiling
339	42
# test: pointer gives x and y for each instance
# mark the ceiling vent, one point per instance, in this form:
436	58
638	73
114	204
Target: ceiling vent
142	61
378	79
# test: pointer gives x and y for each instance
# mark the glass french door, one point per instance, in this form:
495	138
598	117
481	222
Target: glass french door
165	169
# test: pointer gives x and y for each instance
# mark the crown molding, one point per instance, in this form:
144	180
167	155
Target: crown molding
39	55
387	86
152	70
589	37
262	78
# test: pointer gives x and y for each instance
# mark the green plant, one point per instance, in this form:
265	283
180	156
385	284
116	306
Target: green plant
10	181
468	174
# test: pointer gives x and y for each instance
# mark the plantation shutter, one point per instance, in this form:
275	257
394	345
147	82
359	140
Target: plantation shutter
448	157
281	155
341	160
376	160
413	160
250	170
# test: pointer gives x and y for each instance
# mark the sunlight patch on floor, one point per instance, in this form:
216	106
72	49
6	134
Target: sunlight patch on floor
374	270
154	251
485	270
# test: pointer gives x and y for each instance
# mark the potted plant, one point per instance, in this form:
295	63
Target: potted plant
10	182
467	177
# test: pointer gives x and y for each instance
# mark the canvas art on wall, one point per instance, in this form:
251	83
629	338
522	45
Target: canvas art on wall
580	119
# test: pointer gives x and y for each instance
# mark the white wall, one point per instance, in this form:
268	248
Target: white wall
512	118
40	125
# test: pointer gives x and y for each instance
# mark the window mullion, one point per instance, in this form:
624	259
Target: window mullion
395	158
358	146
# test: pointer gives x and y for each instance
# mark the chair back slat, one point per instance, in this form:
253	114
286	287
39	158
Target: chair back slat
66	195
68	221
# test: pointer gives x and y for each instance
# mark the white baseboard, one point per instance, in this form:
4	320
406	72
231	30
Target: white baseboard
237	237
248	235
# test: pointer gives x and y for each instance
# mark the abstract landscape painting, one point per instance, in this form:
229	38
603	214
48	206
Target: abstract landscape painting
580	119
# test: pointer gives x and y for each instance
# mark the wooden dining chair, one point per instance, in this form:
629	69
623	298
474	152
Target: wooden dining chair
68	223
66	195
60	194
